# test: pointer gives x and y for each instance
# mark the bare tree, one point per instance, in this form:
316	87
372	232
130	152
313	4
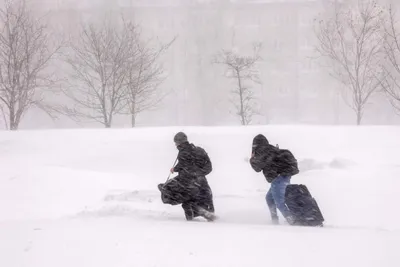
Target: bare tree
390	80
243	70
25	55
145	74
351	43
99	64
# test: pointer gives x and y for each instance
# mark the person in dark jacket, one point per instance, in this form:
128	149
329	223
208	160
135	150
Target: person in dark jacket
278	166
193	166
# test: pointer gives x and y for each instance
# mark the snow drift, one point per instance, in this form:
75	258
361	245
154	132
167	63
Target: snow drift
89	198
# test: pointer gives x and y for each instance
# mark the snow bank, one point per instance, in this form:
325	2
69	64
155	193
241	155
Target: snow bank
60	186
65	171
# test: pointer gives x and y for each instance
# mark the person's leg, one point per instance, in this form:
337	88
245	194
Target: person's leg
278	187
187	208
272	206
206	195
196	204
211	203
199	209
209	216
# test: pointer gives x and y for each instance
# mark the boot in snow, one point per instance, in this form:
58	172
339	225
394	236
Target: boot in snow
209	216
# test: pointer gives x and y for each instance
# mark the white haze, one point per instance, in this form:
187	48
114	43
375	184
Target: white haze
200	94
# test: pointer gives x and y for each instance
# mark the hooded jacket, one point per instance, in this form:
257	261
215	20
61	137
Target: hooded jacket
190	158
271	160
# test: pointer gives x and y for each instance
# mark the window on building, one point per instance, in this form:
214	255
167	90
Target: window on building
311	91
306	18
277	19
310	65
306	42
283	90
278	44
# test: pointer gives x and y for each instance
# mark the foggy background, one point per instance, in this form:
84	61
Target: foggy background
294	88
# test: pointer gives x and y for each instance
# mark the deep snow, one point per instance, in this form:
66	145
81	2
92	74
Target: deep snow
89	198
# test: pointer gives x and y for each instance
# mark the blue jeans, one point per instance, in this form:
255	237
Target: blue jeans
276	197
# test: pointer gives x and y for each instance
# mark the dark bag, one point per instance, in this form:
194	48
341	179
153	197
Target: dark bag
168	195
202	161
303	206
176	191
287	163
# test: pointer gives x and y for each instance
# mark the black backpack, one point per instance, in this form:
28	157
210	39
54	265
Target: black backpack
202	161
287	162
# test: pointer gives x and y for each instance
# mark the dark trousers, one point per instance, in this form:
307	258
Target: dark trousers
202	200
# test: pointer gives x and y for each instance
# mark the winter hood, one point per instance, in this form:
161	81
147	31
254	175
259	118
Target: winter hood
260	140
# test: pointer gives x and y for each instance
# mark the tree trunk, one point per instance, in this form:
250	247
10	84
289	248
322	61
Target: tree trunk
13	126
359	113
336	109
359	117
133	120
5	120
241	112
13	120
107	122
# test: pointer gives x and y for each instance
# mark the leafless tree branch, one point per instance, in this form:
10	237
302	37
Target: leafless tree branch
25	55
351	42
99	60
114	72
242	69
390	80
144	73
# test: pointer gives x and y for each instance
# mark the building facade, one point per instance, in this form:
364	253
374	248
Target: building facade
294	89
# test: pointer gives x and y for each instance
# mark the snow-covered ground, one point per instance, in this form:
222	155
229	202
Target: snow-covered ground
89	198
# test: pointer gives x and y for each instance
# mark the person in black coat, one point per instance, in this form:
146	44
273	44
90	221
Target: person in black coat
278	166
191	187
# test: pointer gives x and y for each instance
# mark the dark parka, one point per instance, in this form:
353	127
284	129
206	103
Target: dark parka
271	160
190	184
188	158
